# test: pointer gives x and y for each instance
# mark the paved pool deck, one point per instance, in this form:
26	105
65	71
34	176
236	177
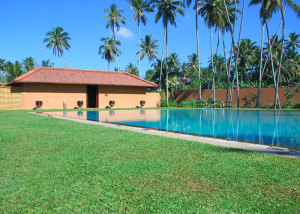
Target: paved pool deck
293	153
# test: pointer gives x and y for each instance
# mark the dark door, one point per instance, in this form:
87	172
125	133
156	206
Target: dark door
92	96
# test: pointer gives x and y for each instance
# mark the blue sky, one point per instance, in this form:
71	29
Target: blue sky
24	24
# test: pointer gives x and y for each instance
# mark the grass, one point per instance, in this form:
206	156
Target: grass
49	165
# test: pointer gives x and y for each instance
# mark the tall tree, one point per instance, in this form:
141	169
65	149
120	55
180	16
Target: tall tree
247	57
167	10
29	64
58	40
296	9
213	16
148	48
140	6
132	69
196	3
109	49
293	41
114	17
12	70
47	63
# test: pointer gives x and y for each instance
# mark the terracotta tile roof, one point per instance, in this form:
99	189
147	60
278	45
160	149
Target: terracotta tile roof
81	77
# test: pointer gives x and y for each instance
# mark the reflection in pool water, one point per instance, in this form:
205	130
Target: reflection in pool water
268	127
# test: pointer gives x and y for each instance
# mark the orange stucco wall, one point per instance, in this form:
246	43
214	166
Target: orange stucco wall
53	96
127	97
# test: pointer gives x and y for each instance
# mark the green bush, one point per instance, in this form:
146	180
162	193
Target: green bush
171	103
189	104
297	105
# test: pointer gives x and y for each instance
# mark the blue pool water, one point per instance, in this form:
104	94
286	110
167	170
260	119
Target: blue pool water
279	128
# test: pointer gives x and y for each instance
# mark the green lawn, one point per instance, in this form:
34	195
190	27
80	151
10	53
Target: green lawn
53	165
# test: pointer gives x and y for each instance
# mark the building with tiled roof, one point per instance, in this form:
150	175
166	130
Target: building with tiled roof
64	87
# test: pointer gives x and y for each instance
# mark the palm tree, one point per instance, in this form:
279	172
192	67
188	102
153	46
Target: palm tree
213	16
47	63
58	40
2	62
247	56
12	70
271	7
140	6
132	69
109	50
149	75
149	48
197	40
167	10
114	17
293	41
29	64
225	27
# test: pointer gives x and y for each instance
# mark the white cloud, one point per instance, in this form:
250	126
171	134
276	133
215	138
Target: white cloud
124	32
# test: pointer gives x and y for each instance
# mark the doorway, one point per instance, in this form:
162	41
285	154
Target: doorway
92	96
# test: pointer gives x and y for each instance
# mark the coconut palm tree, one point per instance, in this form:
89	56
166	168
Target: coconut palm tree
213	16
12	70
114	17
29	63
140	6
149	48
196	3
47	63
58	40
270	7
293	41
225	27
109	49
2	62
247	57
167	10
132	69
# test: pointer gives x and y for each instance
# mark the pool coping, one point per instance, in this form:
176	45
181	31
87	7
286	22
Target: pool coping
262	148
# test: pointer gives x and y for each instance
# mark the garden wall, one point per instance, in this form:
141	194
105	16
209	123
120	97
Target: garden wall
247	96
9	100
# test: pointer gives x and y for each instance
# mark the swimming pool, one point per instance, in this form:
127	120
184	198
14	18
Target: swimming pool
278	128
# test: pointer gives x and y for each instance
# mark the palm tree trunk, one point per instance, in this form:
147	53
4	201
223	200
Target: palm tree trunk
113	29
260	67
139	46
272	62
108	65
198	53
63	60
236	60
161	62
212	62
226	67
280	62
232	30
167	84
215	70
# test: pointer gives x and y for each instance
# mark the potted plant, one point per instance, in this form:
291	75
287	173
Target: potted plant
142	102
112	103
39	104
80	103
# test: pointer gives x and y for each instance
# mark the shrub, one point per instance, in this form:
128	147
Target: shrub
297	105
171	103
189	104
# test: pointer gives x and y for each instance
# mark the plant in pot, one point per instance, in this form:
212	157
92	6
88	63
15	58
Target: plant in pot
142	102
112	103
80	103
38	104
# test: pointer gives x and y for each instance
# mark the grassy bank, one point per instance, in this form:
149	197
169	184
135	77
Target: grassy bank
52	165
